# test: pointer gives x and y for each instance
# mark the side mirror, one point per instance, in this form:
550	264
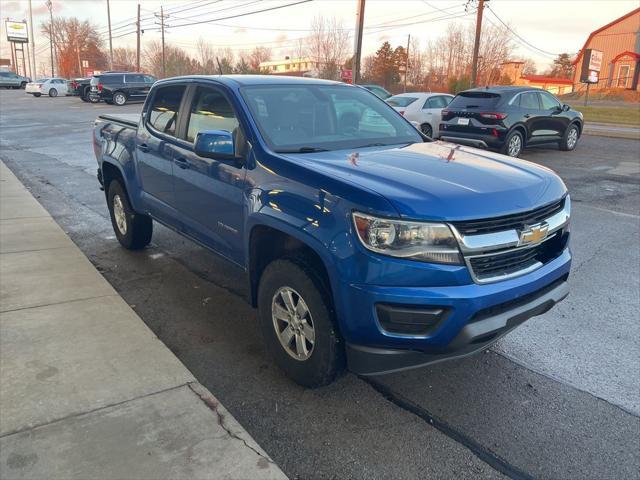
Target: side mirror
217	144
565	108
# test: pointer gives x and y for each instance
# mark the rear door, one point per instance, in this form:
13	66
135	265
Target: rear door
432	111
135	86
529	108
156	147
209	191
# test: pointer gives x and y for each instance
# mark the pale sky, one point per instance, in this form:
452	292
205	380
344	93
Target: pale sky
550	26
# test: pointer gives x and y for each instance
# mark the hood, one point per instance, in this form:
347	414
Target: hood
440	180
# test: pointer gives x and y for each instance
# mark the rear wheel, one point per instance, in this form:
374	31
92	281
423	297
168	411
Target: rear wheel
513	144
298	323
37	94
133	230
23	85
427	130
570	138
119	98
53	92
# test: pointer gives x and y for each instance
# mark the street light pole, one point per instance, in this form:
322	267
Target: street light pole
33	44
110	40
138	41
50	7
358	42
476	45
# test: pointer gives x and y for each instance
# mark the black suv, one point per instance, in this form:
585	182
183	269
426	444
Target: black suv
120	88
508	119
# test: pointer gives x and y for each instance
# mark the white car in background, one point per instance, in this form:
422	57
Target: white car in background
422	109
47	86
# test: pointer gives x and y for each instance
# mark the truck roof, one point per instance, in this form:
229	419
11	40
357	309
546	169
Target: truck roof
243	80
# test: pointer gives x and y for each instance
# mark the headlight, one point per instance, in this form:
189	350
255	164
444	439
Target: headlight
428	242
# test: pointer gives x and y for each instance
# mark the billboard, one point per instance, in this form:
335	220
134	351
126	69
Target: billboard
591	66
17	31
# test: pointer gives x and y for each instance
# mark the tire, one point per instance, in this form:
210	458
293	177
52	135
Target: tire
53	92
37	94
133	230
513	144
23	85
119	99
426	129
324	356
570	138
84	95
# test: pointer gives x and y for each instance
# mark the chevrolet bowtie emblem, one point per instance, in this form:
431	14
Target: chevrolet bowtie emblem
534	234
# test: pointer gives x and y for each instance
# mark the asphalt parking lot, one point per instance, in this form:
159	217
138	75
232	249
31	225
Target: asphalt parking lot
557	398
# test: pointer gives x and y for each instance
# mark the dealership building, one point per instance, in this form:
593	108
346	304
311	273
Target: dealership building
619	42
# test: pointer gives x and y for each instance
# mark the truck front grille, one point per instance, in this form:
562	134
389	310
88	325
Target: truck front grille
496	265
509	222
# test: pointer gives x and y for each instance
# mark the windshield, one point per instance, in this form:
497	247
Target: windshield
401	101
305	118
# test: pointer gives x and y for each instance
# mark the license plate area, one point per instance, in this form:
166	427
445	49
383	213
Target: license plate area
463	121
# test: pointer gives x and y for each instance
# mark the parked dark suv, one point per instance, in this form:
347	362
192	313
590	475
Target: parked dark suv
120	88
509	119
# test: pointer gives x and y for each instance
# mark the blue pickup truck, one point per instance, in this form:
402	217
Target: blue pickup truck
365	244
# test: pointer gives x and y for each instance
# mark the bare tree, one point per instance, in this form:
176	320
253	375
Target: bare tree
415	75
177	61
257	56
124	59
206	56
328	45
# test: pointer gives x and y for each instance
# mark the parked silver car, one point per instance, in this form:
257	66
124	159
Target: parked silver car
11	80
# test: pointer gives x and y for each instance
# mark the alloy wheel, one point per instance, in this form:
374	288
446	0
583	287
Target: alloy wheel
515	145
119	99
119	214
572	138
293	323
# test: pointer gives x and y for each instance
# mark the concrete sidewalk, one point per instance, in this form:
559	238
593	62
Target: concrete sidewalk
86	389
612	130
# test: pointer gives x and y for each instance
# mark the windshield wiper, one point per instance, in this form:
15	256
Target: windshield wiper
374	145
302	150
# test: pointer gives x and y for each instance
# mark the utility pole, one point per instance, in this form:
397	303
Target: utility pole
138	41
50	7
33	44
162	16
406	63
358	41
476	45
110	40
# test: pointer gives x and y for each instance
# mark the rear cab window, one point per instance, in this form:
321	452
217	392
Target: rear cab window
163	112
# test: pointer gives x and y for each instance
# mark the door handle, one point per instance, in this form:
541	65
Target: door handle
143	147
181	162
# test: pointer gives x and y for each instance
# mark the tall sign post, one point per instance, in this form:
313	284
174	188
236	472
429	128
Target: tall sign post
18	35
590	69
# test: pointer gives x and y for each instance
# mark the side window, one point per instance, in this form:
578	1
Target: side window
210	110
529	101
163	114
548	101
149	79
112	79
134	78
4	74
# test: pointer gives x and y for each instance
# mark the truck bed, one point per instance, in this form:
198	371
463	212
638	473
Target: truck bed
128	119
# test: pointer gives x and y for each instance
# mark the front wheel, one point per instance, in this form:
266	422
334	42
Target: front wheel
570	138
37	94
513	144
53	92
23	85
133	230
298	323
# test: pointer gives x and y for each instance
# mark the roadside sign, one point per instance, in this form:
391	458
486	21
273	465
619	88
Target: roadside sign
17	31
591	66
89	73
85	63
346	75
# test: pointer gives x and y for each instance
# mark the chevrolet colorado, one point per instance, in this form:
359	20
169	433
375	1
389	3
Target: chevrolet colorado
365	243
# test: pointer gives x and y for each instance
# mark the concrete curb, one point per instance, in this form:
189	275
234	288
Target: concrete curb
88	391
612	131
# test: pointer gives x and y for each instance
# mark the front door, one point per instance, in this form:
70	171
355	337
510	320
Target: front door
553	122
209	192
155	148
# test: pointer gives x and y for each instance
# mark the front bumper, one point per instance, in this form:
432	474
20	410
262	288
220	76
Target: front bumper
475	316
477	335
